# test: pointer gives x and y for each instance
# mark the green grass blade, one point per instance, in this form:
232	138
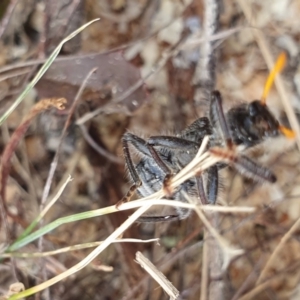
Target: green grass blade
64	220
42	71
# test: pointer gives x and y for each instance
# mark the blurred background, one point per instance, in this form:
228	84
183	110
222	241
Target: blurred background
157	47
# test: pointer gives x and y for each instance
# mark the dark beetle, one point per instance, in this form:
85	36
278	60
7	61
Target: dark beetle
164	156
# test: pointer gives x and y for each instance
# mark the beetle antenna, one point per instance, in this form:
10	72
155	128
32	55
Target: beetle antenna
290	134
279	65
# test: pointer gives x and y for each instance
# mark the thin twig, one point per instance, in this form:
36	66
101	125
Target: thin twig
71	165
249	281
228	251
186	45
150	200
54	199
33	224
205	268
56	156
9	151
42	71
263	286
5	19
97	147
158	276
164	263
207	208
172	51
19	132
71	248
205	74
220	253
87	259
133	218
67	123
68	14
21	171
275	253
14	74
73	57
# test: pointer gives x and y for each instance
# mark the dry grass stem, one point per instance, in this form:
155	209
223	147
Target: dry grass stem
158	276
20	169
96	147
5	19
156	201
228	251
70	169
54	163
19	133
72	248
259	288
160	87
54	199
114	236
215	37
168	53
199	161
205	268
63	134
276	251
